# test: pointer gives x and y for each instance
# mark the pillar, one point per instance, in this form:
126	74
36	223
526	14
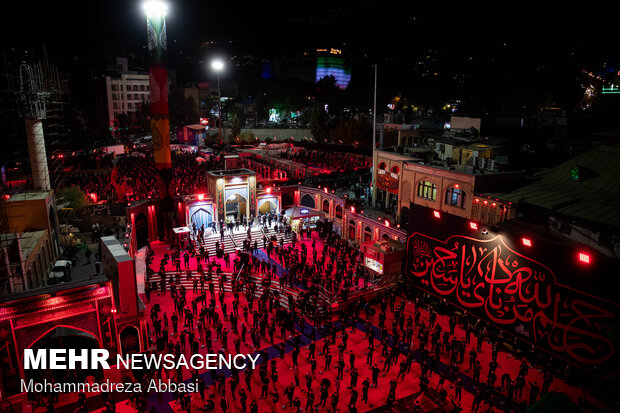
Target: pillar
38	156
158	83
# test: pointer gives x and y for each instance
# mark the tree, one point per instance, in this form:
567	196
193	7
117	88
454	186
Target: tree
183	110
235	123
318	122
74	196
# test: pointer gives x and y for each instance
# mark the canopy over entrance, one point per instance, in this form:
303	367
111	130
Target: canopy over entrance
300	212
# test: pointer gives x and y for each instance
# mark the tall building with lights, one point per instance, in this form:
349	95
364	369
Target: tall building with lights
329	62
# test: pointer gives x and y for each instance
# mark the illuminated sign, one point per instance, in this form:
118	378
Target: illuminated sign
611	90
303	211
204	121
373	265
335	51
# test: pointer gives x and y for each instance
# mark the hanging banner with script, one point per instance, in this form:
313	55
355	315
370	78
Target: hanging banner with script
388	181
516	293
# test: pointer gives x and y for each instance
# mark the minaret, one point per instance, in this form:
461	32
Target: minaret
31	106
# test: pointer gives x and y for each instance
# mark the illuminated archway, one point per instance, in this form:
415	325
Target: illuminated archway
268	207
236	206
202	217
64	337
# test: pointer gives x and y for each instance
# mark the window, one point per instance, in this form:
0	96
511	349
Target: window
338	211
114	87
128	96
136	96
135	88
455	197
382	165
141	88
427	190
326	206
367	234
115	96
129	106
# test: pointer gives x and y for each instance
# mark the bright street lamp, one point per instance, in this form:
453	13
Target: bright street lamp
154	8
218	65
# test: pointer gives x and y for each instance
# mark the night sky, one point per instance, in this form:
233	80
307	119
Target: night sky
379	28
498	59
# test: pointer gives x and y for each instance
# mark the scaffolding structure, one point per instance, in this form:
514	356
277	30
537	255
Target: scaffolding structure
37	94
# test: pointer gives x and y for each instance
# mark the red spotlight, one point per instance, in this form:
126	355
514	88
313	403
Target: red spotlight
527	242
387	223
476	200
473	225
201	197
584	257
353	209
436	214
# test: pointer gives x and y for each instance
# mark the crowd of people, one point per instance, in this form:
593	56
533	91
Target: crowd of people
135	178
327	160
254	310
97	185
190	174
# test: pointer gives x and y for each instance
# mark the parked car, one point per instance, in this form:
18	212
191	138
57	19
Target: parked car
61	272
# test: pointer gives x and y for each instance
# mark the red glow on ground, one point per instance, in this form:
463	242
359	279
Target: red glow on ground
473	225
527	242
436	214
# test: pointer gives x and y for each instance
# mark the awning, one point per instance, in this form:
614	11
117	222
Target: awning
300	212
181	230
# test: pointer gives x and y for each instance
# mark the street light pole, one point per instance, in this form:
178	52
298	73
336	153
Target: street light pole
219	104
374	144
218	65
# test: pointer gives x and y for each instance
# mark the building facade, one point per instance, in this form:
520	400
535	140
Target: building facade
125	94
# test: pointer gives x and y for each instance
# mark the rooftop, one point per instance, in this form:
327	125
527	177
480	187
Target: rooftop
29	196
230	172
28	240
586	187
